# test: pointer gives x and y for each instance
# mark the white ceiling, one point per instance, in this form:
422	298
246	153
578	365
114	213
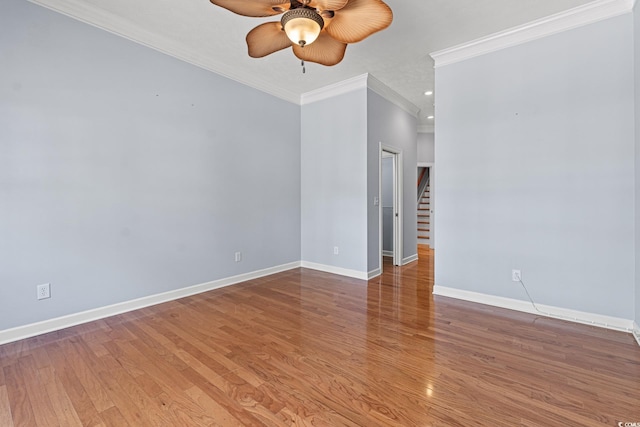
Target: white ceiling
214	38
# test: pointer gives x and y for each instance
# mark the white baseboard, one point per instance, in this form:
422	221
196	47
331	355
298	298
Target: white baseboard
375	273
33	329
409	259
636	332
593	319
362	275
387	253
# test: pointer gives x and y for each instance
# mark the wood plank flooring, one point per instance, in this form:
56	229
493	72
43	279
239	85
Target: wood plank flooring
308	348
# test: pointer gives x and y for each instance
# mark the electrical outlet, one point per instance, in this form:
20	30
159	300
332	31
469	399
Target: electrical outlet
44	291
516	275
238	256
336	250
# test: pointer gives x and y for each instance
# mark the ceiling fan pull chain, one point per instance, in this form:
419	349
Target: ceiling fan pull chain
304	70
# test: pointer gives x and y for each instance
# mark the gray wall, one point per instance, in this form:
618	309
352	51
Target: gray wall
636	21
426	152
393	126
334	181
126	173
535	155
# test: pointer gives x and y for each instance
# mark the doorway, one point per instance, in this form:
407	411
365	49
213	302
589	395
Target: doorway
390	205
426	205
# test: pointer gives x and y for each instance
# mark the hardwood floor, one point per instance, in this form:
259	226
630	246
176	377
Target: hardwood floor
309	348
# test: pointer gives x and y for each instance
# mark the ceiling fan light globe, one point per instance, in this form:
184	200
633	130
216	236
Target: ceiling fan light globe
302	26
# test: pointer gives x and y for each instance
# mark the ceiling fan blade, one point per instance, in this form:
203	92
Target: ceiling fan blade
328	4
359	19
325	50
254	8
266	39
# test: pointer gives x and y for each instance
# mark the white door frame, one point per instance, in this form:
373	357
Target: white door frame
397	202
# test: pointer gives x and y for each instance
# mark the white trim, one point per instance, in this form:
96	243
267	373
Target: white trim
593	319
410	259
426	129
360	82
392	96
636	332
573	18
340	88
375	273
426	164
33	329
387	253
362	275
97	17
90	14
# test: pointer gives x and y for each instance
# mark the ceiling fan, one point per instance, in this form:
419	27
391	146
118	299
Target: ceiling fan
318	30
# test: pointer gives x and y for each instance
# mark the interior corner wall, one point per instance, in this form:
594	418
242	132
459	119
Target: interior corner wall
535	155
392	126
126	173
426	147
334	182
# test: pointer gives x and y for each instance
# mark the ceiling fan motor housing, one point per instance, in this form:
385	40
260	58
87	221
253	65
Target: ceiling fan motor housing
302	25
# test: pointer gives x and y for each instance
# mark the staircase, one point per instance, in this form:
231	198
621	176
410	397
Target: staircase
424	218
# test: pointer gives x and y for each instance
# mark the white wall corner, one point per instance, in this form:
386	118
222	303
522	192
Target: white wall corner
345	86
593	319
93	15
636	332
426	129
573	18
33	329
362	275
392	96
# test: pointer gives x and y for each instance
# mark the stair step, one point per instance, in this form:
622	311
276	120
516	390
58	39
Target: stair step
423	216
423	229
424	222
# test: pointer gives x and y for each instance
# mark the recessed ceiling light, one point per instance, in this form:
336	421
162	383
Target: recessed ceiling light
428	93
430	117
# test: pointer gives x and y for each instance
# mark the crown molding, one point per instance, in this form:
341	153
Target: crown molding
573	18
92	15
392	96
360	82
106	21
326	92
